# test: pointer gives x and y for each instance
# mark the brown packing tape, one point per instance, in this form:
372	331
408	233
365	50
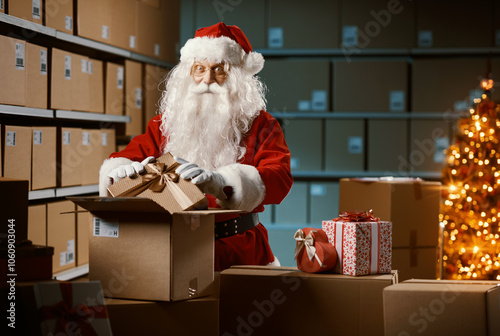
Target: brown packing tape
413	238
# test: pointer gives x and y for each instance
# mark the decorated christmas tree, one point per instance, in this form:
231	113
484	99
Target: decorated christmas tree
471	199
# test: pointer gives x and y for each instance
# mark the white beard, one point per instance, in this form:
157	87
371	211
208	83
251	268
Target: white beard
201	131
207	124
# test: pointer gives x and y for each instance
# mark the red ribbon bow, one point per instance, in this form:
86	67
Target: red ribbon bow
357	216
65	313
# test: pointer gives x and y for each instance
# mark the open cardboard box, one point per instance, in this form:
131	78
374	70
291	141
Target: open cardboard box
138	250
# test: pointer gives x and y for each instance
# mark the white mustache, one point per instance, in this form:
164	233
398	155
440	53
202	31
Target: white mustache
205	88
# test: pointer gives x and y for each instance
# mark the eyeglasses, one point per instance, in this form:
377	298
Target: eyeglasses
199	70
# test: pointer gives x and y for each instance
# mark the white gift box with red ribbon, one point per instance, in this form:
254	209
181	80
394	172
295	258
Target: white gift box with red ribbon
362	247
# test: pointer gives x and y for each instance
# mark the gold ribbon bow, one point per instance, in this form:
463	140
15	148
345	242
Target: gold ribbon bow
159	176
308	243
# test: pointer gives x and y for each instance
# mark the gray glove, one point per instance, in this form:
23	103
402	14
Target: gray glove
130	170
209	181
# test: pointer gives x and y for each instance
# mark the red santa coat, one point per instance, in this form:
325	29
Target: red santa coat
267	151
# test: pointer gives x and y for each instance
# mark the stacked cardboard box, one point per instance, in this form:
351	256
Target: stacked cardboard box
413	208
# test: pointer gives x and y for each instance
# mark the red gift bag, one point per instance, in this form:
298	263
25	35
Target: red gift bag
313	252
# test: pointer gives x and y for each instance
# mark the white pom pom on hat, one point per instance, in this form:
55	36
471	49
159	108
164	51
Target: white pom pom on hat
222	43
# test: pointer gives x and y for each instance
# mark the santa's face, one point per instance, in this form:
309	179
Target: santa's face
208	72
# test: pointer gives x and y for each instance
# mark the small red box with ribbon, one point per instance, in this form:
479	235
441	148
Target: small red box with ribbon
161	184
72	308
362	241
313	252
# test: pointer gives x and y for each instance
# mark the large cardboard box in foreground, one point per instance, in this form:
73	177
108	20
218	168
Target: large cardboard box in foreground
298	303
411	205
140	251
442	307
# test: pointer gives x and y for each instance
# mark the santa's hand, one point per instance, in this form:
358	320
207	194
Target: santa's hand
209	181
130	170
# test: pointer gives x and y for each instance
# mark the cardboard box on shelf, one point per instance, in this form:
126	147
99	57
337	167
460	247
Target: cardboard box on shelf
80	91
36	76
91	155
306	155
26	9
159	29
82	236
133	97
193	317
411	205
249	16
124	24
324	200
345	305
388	146
61	234
370	86
108	141
344	145
59	15
293	209
136	240
429	141
454	24
14	214
71	157
154	85
33	262
13	70
17	153
114	77
416	262
315	17
460	77
93	19
311	93
96	86
442	307
37	224
376	24
43	160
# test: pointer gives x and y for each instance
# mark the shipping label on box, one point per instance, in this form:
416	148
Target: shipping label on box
362	247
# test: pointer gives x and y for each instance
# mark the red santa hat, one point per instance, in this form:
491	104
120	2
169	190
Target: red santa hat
222	43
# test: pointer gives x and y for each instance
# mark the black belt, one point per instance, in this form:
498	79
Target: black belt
236	225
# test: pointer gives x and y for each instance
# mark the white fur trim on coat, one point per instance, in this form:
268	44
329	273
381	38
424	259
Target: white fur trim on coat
222	49
248	188
107	166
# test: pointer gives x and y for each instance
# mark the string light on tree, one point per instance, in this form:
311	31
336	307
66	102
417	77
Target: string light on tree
470	211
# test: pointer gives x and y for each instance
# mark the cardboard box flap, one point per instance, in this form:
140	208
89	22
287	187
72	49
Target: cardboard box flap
135	204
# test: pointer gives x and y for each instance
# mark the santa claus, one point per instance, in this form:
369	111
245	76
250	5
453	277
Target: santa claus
212	120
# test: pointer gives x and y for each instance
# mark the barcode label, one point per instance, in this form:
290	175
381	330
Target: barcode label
119	78
105	32
91	67
86	138
350	36
20	56
36	9
275	37
138	98
37	137
2	5
425	38
43	62
68	23
157	49
397	100
67	67
11	138
355	145
104	139
104	228
66	137
131	41
85	66
319	98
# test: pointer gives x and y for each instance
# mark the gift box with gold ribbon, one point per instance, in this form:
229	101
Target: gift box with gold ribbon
163	185
313	252
76	308
362	241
